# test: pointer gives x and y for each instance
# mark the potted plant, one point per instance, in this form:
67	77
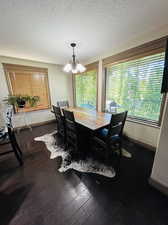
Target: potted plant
33	100
20	101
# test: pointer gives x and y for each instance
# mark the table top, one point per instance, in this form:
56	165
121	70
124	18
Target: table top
90	118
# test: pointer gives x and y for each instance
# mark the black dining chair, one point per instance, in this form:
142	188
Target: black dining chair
108	141
9	137
63	104
72	134
60	122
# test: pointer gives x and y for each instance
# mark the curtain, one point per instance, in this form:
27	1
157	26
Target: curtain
164	88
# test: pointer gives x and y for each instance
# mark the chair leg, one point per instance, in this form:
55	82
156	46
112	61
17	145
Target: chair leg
65	147
13	139
119	159
64	139
107	158
17	154
17	146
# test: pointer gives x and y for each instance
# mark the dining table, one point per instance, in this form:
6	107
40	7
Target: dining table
89	118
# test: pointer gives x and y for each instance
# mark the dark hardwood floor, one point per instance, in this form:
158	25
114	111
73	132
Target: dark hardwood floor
37	194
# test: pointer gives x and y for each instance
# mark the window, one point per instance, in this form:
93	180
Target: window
135	86
86	89
25	80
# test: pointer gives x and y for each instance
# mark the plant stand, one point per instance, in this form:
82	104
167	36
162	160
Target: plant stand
22	117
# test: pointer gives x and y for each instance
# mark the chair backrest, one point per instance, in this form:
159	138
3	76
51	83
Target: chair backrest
8	132
71	128
117	124
57	111
63	104
60	120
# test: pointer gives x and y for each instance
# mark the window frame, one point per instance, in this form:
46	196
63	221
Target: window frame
7	67
136	119
146	49
90	67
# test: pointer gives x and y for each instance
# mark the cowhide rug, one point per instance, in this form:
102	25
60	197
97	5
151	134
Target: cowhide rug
88	166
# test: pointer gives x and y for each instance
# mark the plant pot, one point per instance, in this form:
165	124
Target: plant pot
21	103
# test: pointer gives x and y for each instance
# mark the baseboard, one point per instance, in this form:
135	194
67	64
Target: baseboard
162	188
144	145
36	124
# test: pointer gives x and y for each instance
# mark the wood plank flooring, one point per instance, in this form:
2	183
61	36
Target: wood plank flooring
37	194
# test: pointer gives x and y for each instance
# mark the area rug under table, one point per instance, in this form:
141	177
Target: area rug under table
87	166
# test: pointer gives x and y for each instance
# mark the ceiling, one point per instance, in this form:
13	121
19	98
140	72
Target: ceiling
43	29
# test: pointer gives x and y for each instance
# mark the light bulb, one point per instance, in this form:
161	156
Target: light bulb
80	68
74	70
67	68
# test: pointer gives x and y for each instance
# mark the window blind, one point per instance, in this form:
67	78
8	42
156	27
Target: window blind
27	80
135	86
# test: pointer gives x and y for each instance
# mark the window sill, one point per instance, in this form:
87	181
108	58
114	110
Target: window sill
32	109
146	123
142	122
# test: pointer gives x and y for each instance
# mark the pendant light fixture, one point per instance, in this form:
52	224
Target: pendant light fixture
74	66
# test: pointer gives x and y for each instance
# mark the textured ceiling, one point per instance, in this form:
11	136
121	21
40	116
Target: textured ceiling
42	29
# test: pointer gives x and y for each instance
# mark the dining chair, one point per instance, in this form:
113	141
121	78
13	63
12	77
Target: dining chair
63	103
60	121
9	137
72	134
108	141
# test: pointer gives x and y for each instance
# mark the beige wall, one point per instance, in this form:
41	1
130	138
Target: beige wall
60	88
160	167
142	133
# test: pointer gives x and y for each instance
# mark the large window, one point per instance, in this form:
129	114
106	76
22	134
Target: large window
135	86
86	89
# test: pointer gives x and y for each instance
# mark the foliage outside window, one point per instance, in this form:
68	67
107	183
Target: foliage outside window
86	89
135	86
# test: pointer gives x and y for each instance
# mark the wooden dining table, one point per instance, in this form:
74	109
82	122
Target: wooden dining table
90	119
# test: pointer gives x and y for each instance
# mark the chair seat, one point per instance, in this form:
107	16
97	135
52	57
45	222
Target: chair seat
103	134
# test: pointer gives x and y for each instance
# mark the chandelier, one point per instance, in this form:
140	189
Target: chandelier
74	66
